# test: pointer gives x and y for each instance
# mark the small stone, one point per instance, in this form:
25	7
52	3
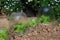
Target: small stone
35	33
29	34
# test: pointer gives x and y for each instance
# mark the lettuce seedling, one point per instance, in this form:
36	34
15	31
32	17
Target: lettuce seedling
32	23
44	19
20	28
3	34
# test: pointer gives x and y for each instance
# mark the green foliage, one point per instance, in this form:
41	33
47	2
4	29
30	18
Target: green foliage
55	12
46	2
3	34
33	23
12	6
44	19
20	28
2	0
59	25
16	5
53	5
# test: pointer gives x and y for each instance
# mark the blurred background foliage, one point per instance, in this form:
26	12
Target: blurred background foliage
46	7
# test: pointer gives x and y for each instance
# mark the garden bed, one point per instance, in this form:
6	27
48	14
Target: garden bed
4	23
30	20
40	32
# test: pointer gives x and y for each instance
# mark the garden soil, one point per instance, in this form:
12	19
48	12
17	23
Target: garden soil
40	32
4	23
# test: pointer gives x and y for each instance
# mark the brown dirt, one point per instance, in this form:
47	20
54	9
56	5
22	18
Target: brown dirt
40	32
4	23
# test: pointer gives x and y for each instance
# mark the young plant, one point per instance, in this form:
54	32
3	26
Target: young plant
33	22
20	28
44	19
3	34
